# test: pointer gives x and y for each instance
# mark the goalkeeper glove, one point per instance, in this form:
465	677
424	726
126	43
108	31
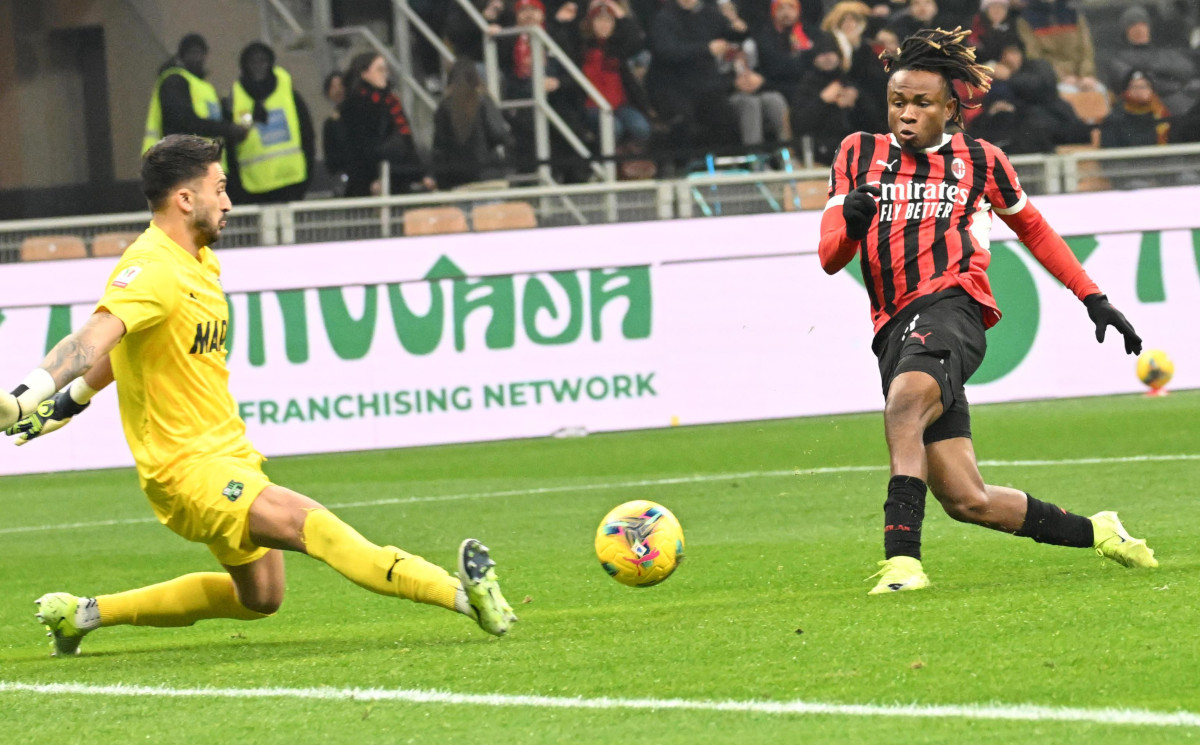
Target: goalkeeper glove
51	414
859	209
1103	314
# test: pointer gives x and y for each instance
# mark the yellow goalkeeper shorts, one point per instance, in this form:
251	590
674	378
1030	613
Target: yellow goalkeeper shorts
208	501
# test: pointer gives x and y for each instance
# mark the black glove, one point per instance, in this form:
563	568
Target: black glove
1103	314
859	209
51	414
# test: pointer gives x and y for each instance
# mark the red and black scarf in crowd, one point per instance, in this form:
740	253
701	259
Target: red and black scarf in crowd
391	101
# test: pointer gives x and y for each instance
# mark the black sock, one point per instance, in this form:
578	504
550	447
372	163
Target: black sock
903	513
1048	523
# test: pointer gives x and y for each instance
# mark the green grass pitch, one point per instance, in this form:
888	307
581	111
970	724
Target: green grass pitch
769	606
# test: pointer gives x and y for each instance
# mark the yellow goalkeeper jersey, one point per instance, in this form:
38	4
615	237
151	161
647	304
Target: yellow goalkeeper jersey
172	383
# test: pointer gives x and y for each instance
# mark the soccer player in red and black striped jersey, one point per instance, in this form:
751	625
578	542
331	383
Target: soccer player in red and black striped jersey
915	206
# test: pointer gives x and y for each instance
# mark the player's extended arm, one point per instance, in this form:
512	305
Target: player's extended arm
1052	252
71	358
843	229
57	411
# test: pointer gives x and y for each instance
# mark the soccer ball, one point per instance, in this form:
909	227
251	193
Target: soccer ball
1155	368
639	543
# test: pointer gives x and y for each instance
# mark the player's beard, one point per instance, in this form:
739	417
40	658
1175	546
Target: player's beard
207	227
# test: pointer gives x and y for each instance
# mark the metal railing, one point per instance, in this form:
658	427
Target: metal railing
249	226
544	115
1130	167
702	194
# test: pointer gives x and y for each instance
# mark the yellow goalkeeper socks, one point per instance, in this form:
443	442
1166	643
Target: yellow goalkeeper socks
178	602
386	570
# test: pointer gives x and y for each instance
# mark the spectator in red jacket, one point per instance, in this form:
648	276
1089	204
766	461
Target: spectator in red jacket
610	37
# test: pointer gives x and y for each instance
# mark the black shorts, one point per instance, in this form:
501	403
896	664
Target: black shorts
944	337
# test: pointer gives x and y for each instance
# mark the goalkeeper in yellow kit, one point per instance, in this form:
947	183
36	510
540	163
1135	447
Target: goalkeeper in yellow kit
160	332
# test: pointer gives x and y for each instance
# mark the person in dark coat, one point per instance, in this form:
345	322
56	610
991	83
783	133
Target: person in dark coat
334	147
1034	118
994	27
919	14
1139	118
1170	70
464	36
784	48
846	21
828	106
468	131
687	38
377	129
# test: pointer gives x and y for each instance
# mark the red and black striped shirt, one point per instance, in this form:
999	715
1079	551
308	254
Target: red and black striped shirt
931	230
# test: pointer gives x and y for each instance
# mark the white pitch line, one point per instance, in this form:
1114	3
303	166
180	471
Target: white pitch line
700	478
1020	712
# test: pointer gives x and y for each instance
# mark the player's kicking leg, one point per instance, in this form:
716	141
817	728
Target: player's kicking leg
1111	540
956	482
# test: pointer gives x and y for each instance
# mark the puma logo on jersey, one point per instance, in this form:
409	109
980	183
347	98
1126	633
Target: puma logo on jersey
210	337
922	337
887	164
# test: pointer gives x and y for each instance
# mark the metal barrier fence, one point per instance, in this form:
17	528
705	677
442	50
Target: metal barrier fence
701	195
1130	168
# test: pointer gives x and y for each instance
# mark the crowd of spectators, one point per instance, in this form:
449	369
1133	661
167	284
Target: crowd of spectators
693	76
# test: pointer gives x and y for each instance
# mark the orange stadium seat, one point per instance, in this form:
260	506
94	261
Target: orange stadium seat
434	221
812	194
1090	106
112	244
47	247
503	216
1091	175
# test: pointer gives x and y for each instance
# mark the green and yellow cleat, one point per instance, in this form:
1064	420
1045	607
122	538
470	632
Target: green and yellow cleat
476	571
899	574
1112	540
61	614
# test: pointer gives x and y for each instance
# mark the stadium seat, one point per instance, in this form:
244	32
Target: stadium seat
434	221
503	216
1090	106
813	194
112	244
1090	173
47	247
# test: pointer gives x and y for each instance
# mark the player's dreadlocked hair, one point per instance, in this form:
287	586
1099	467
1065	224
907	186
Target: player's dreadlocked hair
943	52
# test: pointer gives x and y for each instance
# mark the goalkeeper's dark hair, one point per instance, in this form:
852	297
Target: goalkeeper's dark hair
945	53
176	160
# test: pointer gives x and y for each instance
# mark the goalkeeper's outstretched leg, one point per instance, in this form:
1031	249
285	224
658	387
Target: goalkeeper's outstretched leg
282	518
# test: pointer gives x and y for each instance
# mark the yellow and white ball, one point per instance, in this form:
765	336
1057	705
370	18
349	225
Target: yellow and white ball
639	543
1155	368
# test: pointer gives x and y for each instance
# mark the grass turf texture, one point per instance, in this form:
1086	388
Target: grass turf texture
1008	621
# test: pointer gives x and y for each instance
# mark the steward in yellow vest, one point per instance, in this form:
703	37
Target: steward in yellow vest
274	162
184	102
